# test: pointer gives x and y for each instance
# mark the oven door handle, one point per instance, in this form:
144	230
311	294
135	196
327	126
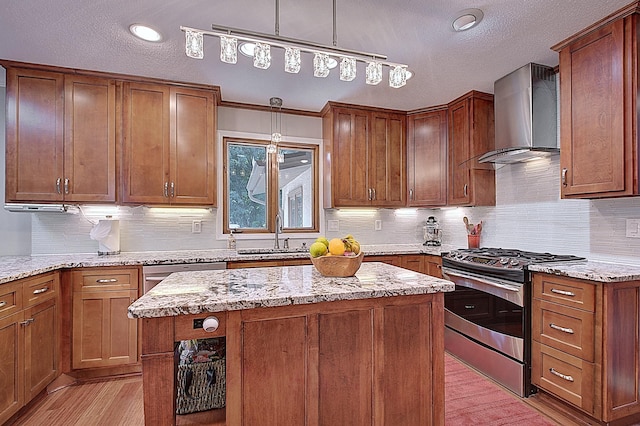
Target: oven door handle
447	274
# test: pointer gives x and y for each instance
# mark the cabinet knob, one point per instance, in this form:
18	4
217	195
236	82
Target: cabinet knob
26	322
411	194
66	185
563	329
166	189
41	290
373	190
173	189
210	324
562	376
564	176
3	304
563	292
58	185
465	189
107	280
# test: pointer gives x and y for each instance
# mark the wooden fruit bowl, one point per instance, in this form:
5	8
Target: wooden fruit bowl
338	266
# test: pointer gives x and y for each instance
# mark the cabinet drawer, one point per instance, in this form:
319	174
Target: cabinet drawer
567	329
565	291
39	288
105	279
188	327
10	298
566	376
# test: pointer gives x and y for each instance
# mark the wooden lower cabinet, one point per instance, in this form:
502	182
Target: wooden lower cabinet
239	264
102	334
423	263
29	340
339	363
586	346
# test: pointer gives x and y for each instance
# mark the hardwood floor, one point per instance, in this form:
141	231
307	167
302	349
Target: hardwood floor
118	402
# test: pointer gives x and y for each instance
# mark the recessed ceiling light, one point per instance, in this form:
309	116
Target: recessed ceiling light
467	19
144	32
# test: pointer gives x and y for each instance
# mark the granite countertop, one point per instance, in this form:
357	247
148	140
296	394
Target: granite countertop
590	270
234	289
16	267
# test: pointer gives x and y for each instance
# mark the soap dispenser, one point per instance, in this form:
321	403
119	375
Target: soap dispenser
231	242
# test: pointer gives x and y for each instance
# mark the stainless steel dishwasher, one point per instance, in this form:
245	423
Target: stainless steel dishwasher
153	274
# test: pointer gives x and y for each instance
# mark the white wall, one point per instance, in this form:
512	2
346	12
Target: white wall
15	228
529	214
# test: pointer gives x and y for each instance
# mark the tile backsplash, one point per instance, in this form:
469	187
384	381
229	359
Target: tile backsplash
528	215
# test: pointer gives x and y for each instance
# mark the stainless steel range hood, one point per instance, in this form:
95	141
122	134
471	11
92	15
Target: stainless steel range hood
526	115
41	208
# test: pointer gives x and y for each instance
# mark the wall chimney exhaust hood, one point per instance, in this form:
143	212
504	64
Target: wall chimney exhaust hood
526	115
41	208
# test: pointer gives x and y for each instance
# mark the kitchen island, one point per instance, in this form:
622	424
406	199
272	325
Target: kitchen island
302	348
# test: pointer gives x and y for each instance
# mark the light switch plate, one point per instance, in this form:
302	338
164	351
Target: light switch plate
196	226
333	225
633	228
377	225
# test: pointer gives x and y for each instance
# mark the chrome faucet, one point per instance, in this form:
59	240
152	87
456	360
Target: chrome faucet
276	245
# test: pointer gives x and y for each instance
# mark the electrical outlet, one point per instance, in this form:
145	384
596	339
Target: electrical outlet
196	226
333	225
633	228
378	225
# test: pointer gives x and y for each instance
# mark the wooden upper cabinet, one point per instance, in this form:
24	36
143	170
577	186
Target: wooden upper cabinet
598	108
427	159
365	157
168	145
34	132
89	139
471	134
60	137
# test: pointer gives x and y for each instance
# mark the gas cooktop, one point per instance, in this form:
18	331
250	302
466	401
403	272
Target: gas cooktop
508	264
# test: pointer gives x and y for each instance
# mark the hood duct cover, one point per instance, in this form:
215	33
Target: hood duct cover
526	115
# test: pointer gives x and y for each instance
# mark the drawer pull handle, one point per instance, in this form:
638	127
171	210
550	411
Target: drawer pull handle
3	304
563	292
469	306
26	322
562	376
41	290
107	280
563	329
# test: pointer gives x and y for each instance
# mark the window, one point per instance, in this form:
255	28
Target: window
257	187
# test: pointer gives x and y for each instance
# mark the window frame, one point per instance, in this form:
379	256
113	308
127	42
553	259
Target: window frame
272	190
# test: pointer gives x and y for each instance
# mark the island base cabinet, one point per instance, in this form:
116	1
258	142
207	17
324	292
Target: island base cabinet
366	362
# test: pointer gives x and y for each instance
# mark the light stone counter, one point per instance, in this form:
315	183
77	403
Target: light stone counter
16	267
214	291
590	270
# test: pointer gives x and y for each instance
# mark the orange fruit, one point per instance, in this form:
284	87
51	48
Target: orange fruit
336	247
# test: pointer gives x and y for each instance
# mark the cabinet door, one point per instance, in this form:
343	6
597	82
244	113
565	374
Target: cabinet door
192	147
103	335
42	349
11	365
433	265
592	85
145	125
89	139
274	371
34	132
350	168
413	262
427	159
387	160
459	172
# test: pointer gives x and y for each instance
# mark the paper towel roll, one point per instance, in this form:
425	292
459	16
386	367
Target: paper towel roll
107	233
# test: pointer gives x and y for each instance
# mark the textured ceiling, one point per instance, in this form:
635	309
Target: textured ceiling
94	35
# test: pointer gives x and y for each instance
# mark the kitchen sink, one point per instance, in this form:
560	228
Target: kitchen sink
273	250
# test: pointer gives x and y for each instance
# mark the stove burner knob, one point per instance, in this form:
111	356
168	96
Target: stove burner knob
514	262
504	260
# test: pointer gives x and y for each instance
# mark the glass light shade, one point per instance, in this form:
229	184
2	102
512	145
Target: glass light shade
194	44
280	157
320	65
347	69
229	50
276	137
292	60
272	148
397	77
374	72
262	56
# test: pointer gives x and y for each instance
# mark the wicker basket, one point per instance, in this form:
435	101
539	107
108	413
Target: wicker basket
338	266
207	389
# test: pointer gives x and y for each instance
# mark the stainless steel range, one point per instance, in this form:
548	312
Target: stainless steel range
487	317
